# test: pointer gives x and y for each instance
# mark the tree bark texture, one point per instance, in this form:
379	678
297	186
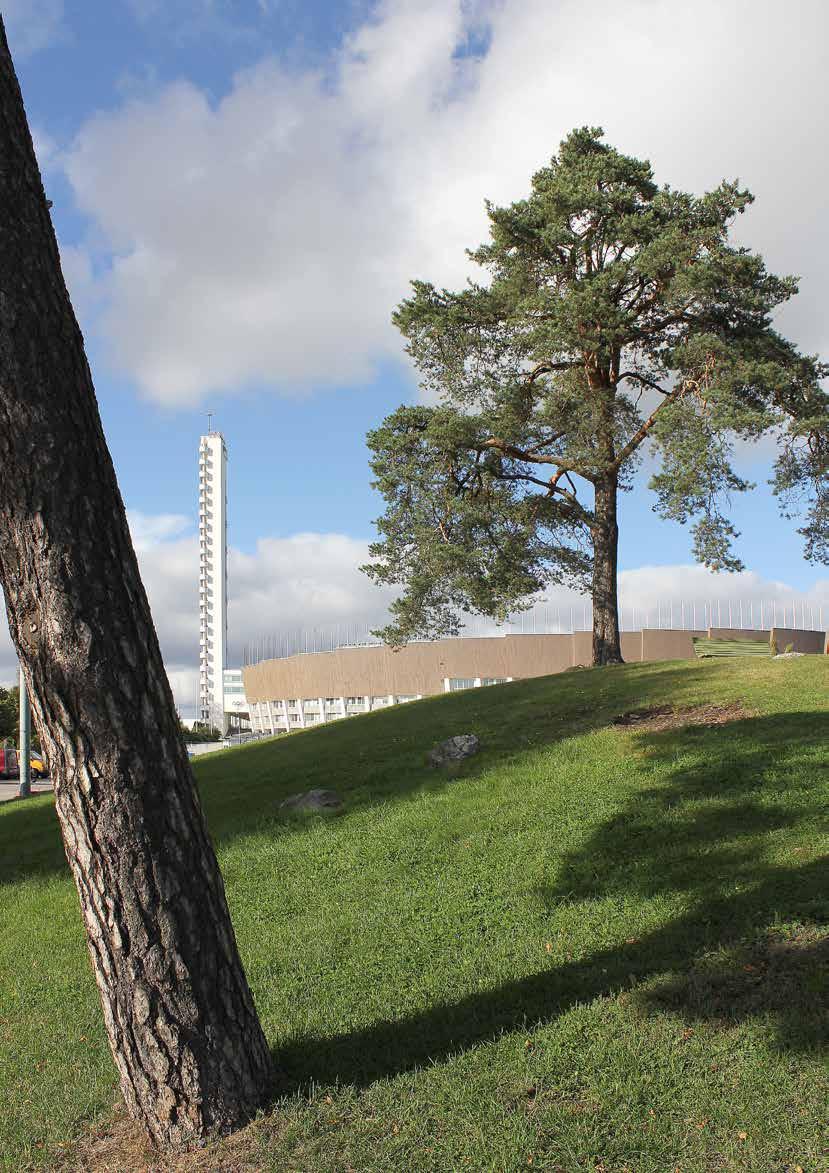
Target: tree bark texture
607	647
187	1042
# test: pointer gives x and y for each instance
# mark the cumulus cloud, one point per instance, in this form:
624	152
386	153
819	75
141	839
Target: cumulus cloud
32	25
272	267
265	238
149	529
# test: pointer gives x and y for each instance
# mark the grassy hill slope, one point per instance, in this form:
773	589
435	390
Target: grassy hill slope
594	947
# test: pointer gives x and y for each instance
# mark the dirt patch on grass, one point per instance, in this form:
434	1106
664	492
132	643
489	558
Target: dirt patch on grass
120	1144
659	717
785	973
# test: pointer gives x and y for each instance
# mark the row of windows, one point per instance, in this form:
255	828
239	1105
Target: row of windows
329	700
461	682
312	704
307	710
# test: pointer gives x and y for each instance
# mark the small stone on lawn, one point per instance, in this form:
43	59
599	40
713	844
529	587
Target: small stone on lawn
454	749
313	800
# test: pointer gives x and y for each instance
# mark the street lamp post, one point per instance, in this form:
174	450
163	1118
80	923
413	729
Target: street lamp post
23	757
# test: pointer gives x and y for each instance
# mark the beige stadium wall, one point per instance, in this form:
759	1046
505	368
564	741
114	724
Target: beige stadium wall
813	643
582	648
419	669
631	642
668	645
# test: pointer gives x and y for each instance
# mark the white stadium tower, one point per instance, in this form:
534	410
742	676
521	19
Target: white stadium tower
212	578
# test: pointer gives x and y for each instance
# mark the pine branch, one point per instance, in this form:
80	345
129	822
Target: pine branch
535	458
642	379
639	435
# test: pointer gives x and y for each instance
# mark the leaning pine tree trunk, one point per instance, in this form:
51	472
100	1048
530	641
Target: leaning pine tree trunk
607	647
178	1011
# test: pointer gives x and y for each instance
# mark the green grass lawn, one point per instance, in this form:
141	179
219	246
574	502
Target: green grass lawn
592	948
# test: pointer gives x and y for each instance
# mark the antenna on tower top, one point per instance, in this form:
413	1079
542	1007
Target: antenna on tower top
209	422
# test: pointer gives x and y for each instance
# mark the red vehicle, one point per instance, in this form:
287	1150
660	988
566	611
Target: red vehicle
9	766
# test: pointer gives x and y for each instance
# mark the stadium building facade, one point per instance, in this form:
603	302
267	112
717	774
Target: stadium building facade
298	691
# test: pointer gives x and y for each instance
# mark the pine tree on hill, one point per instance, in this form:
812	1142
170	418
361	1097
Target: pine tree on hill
614	314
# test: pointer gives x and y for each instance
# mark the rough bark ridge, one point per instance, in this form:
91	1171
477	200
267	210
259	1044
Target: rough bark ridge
607	648
178	1011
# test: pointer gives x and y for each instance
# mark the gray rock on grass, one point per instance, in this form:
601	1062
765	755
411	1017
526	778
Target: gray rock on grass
313	800
454	749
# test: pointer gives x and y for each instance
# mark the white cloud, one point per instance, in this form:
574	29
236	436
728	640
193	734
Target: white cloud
46	149
267	237
148	529
32	25
301	581
78	274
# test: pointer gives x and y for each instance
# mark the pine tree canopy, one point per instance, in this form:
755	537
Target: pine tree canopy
613	313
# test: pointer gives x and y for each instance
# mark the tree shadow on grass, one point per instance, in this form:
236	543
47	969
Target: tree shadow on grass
783	973
721	796
708	829
388	1049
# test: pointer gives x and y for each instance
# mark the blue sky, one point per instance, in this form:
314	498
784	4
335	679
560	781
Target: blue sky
242	189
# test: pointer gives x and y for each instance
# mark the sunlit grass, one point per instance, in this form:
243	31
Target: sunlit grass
588	948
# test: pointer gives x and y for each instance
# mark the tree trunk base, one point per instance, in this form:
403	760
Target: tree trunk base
606	651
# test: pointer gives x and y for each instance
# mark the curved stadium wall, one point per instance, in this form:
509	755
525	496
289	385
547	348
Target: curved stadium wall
311	688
